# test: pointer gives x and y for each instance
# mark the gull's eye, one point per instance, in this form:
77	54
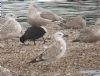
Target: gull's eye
60	34
11	15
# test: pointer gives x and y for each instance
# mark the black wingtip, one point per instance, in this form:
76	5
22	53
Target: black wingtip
34	61
37	59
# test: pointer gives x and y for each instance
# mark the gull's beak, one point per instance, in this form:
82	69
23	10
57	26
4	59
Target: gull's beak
17	17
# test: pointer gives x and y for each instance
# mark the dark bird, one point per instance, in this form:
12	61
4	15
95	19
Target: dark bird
33	33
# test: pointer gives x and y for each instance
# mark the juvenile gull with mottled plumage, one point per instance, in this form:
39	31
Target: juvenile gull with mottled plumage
10	28
88	35
73	22
55	51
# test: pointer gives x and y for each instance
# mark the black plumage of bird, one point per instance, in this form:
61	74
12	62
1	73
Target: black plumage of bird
33	33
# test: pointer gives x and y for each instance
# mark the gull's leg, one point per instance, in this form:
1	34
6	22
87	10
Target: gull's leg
44	40
34	42
1	45
7	42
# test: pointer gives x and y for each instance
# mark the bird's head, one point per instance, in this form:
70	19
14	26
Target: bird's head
22	39
60	34
10	15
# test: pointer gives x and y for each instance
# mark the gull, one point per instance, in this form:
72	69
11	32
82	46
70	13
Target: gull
40	16
88	35
76	23
55	51
97	23
10	28
51	0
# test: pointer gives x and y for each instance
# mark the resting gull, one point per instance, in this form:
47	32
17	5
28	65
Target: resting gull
88	35
55	51
73	22
10	28
40	16
97	23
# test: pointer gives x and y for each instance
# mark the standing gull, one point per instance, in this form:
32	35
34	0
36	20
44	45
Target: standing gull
10	28
40	16
54	51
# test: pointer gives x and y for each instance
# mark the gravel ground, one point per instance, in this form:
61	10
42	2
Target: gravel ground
15	56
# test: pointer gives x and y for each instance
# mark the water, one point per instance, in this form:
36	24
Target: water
87	9
0	9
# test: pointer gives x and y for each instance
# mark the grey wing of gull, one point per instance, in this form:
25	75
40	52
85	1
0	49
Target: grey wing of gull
42	20
50	15
50	54
7	31
5	25
47	14
36	16
2	20
87	35
45	21
37	19
8	27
